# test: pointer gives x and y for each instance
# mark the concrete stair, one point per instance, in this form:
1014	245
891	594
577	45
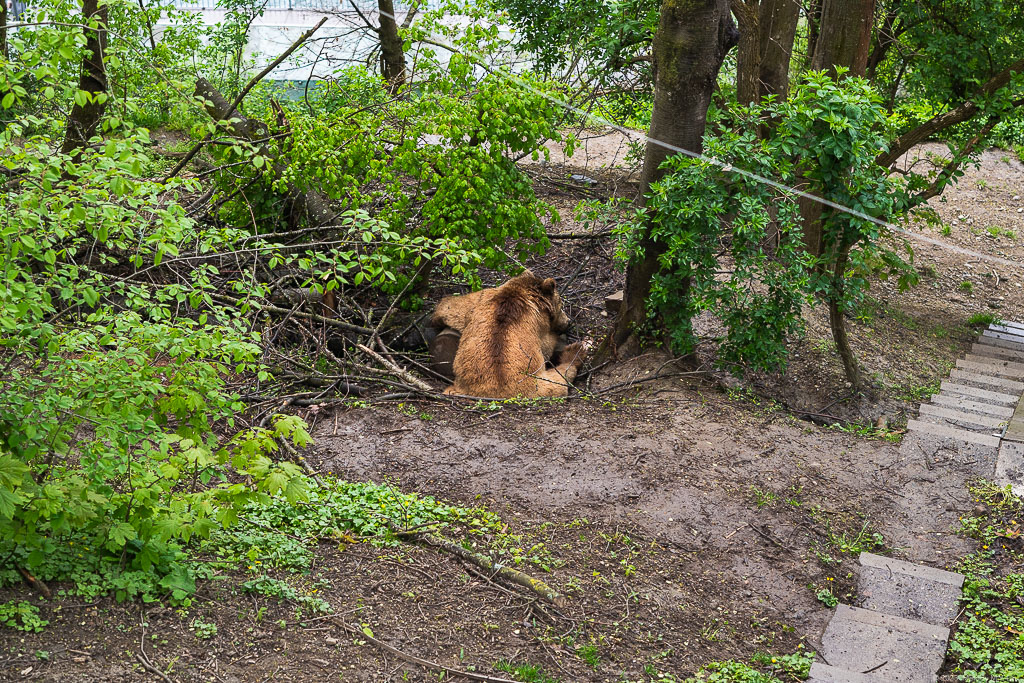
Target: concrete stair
899	630
899	634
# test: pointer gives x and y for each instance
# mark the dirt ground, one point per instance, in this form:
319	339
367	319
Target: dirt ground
682	523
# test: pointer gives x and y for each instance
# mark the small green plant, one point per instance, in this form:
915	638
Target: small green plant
826	597
763	668
589	654
946	229
868	430
917	393
22	616
204	630
527	673
864	540
966	286
994	231
764	497
281	590
983	319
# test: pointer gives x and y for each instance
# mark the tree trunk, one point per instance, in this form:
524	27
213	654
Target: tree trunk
748	52
845	35
838	321
844	41
692	39
778	20
3	29
813	11
85	118
392	56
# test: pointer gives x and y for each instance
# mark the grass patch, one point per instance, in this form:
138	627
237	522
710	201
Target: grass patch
983	320
527	673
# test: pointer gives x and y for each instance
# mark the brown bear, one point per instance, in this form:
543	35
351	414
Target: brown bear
507	335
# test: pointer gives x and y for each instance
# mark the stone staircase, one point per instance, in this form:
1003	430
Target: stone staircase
900	631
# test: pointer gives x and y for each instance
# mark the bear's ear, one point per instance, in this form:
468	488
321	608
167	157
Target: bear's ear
547	287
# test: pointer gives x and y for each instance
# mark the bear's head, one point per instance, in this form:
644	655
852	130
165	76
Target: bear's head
545	294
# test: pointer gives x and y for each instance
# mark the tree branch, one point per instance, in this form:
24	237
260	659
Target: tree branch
959	114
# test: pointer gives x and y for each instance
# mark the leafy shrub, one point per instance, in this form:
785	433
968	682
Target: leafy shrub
22	616
735	244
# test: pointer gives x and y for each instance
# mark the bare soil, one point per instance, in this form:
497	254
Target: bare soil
682	523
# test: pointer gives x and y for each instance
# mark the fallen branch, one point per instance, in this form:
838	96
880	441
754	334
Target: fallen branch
148	666
401	373
515	576
298	314
245	91
433	666
579	235
32	581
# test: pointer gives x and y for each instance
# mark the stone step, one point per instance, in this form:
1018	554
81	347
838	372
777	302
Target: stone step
989	366
946	432
980	348
999	362
974	379
894	649
1003	343
986	424
968	406
1010	465
823	673
983	395
1007	326
911	591
1015	337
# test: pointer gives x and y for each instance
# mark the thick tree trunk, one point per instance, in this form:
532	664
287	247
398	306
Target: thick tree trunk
85	118
689	46
767	31
392	56
748	52
777	22
845	35
844	41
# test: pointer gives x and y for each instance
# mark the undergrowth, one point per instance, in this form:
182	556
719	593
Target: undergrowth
988	646
763	668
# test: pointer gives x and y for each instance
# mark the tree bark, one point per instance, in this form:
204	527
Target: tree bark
392	56
844	41
3	29
813	12
748	52
845	36
777	21
85	118
690	43
837	320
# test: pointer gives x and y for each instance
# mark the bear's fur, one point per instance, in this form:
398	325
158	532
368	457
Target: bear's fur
507	335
